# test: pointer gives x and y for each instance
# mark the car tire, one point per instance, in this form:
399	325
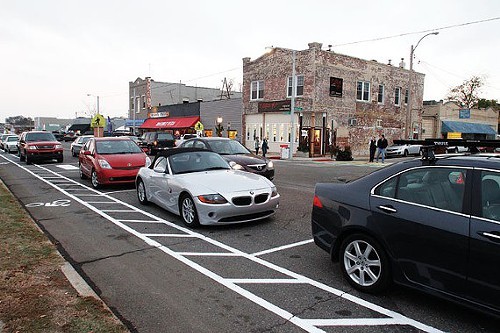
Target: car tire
60	159
141	192
188	211
364	263
29	160
405	153
22	157
80	171
94	180
73	153
456	150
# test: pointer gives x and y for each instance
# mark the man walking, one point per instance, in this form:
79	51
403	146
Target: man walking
265	147
381	145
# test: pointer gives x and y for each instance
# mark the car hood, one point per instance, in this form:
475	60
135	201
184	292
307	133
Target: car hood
245	159
125	160
43	143
223	181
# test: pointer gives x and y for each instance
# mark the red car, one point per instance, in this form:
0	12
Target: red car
111	160
39	145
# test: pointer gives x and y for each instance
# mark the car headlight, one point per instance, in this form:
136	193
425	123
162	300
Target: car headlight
148	162
214	199
236	166
104	164
32	147
270	165
274	191
58	147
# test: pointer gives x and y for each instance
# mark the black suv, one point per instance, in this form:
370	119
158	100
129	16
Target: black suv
157	141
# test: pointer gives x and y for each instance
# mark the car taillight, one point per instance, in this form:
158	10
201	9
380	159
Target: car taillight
317	202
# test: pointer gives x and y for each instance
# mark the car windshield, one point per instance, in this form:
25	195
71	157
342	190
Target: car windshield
117	147
228	147
12	138
196	162
34	137
85	139
165	136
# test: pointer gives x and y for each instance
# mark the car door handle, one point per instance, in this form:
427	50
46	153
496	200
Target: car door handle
490	235
387	209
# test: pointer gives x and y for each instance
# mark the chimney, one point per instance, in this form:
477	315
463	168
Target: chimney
402	63
246	60
315	45
389	63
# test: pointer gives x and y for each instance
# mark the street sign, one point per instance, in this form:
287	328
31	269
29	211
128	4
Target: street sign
98	121
199	126
298	108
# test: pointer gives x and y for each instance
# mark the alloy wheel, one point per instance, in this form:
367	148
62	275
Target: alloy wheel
362	263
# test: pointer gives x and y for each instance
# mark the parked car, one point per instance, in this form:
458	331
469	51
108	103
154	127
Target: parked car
58	135
201	187
10	143
38	146
2	138
78	143
185	137
457	149
237	155
403	150
111	160
157	141
69	136
430	224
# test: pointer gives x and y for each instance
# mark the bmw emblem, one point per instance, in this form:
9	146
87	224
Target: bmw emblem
259	167
252	192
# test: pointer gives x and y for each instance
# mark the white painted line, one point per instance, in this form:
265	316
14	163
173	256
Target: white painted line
354	322
67	167
302	323
122	191
209	254
284	247
140	221
86	195
100	202
170	235
118	211
266	281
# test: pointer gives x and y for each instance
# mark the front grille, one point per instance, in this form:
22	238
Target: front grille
121	179
242	201
261	198
44	147
257	167
127	168
247	217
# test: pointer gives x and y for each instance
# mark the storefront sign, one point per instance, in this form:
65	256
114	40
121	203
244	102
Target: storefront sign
159	114
454	135
464	113
336	85
275	106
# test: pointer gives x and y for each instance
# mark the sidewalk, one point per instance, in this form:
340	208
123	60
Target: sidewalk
356	159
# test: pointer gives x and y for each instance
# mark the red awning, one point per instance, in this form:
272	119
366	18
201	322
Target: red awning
169	123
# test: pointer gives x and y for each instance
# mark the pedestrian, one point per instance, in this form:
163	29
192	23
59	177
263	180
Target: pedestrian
265	147
373	148
381	145
257	145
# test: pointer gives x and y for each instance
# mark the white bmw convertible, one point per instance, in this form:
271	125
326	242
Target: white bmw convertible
201	187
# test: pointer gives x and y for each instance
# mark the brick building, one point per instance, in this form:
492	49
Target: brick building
339	99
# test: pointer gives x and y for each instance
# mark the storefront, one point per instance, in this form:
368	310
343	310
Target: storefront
470	131
177	125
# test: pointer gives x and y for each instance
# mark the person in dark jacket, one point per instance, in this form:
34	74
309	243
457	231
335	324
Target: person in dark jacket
373	148
381	145
265	147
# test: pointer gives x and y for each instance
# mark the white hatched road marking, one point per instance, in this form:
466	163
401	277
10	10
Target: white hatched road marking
309	325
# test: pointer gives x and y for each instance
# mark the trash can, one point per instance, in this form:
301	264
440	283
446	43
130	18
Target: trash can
284	152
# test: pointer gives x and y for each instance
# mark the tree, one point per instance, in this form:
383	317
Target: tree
486	103
467	94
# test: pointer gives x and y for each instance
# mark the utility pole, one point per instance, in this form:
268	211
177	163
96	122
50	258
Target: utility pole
133	111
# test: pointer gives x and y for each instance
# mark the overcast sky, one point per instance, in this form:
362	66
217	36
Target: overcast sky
54	53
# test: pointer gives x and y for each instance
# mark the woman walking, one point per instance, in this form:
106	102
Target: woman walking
265	147
257	145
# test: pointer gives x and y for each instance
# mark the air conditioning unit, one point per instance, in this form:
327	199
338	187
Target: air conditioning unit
353	122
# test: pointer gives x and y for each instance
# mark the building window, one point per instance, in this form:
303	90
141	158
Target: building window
379	123
299	86
131	104
397	96
143	99
363	91
407	92
257	90
336	85
380	95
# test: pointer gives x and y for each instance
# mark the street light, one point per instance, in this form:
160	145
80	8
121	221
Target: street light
218	126
409	127
97	102
292	100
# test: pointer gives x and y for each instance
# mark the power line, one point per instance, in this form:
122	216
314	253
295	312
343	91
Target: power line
419	32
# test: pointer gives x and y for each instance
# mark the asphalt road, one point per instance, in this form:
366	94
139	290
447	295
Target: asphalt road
268	276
